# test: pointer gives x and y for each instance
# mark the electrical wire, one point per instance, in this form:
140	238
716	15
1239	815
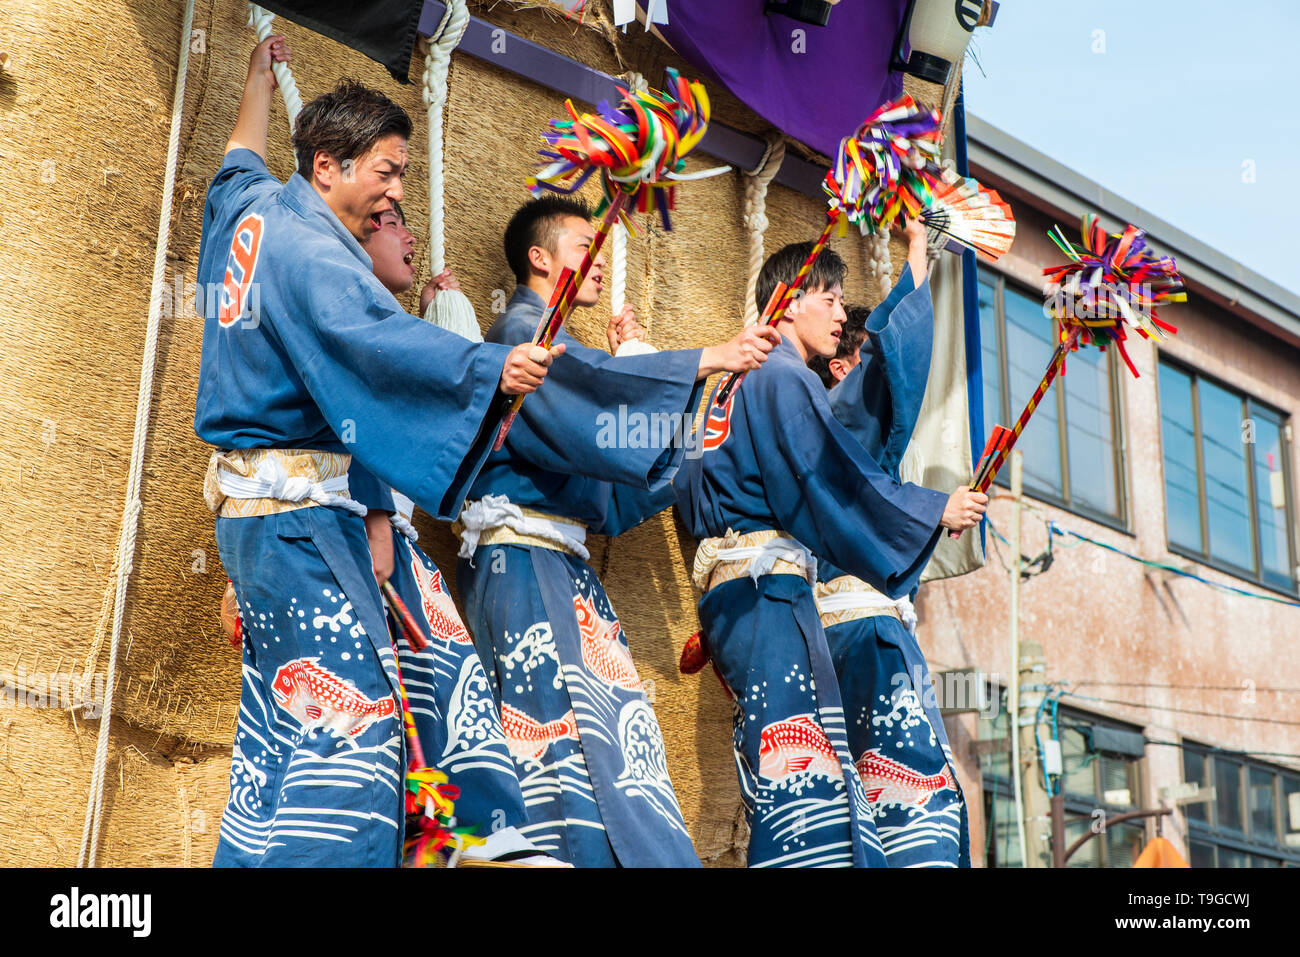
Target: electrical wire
1210	749
1055	530
1170	708
1148	684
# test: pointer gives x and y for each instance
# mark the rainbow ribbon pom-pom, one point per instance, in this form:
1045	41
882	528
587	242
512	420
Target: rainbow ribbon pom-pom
1110	283
639	149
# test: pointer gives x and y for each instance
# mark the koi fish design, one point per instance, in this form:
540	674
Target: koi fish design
526	737
887	781
318	698
439	609
604	655
796	745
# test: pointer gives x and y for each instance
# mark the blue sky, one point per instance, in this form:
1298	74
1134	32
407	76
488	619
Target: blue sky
1171	105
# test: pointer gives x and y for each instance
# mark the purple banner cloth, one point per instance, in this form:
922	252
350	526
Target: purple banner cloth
817	87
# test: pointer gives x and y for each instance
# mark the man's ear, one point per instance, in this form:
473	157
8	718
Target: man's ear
839	368
323	168
539	259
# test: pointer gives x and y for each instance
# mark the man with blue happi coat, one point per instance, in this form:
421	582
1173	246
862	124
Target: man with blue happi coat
780	487
587	745
317	390
894	728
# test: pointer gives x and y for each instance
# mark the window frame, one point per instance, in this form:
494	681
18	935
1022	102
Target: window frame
1078	808
1251	408
1210	832
1120	522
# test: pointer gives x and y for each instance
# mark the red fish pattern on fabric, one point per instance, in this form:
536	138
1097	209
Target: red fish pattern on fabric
887	781
529	738
603	654
794	746
439	609
318	698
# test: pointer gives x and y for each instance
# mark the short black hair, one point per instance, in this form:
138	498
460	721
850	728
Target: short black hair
853	336
346	122
401	213
784	264
536	223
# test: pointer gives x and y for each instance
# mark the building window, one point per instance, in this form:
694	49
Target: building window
1247	822
1071	450
1095	787
1227	488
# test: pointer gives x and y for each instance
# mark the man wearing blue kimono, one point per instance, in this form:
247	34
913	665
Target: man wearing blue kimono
308	367
895	731
586	742
778	482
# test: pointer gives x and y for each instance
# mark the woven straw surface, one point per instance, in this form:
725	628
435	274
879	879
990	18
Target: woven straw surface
87	104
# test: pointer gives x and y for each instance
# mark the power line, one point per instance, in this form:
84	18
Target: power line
1210	749
1055	529
1169	708
1148	684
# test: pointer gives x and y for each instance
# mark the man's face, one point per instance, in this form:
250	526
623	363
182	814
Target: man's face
815	320
359	191
574	239
392	253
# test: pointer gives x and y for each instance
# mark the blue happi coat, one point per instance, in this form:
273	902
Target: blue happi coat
452	701
304	349
774	457
891	713
587	745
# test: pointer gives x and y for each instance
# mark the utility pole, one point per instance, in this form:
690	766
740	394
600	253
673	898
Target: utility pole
1037	804
1033	808
1013	691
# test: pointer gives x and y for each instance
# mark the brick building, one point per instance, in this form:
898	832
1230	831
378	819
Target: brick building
1192	469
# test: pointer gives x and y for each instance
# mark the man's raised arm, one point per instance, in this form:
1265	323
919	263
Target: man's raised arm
255	106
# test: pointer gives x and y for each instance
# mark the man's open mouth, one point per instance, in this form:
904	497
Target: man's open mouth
409	258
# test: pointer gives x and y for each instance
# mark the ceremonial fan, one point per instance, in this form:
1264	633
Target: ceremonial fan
640	151
975	217
1111	284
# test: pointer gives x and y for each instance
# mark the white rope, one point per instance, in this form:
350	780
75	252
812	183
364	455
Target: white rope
450	308
880	265
131	512
260	20
757	181
618	254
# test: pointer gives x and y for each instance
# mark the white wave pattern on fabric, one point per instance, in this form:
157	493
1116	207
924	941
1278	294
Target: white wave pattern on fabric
475	719
645	771
532	650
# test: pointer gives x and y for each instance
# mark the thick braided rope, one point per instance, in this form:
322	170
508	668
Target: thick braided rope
260	20
449	309
618	238
880	266
757	181
131	512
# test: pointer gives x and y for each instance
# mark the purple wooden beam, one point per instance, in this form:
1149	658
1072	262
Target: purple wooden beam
568	77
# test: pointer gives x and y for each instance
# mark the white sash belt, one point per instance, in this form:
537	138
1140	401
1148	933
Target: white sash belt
866	598
271	481
492	512
753	554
